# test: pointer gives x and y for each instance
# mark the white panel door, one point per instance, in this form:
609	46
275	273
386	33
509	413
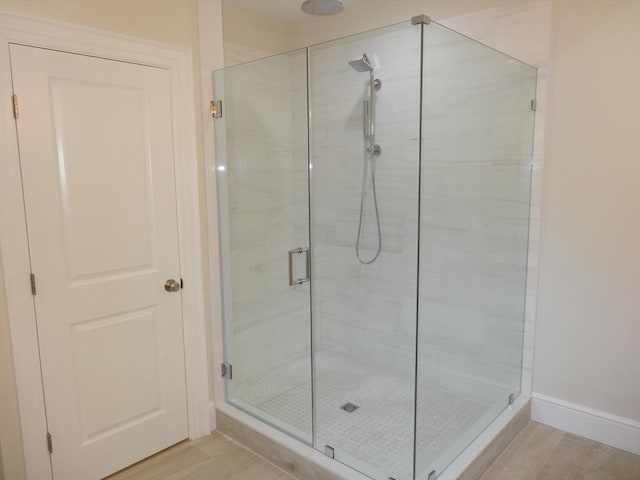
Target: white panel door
96	151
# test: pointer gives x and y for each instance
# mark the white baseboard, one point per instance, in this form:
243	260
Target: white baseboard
603	427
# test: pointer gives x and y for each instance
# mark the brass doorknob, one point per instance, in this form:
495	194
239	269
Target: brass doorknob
171	285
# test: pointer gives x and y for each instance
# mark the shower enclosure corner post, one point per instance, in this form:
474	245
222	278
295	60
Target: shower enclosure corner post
423	21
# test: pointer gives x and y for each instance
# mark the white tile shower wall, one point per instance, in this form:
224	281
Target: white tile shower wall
265	114
367	311
477	136
523	32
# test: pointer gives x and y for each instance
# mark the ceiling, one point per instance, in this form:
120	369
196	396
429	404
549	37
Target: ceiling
286	10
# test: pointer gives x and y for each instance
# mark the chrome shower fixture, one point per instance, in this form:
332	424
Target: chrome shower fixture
362	64
371	151
322	7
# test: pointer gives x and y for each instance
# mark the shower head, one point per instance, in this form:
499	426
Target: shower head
362	64
322	7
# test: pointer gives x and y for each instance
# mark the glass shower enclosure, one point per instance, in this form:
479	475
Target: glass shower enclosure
373	197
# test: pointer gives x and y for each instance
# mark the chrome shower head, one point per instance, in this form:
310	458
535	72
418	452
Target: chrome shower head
322	7
362	64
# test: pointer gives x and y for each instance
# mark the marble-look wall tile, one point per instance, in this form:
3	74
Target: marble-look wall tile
367	311
476	172
475	207
522	31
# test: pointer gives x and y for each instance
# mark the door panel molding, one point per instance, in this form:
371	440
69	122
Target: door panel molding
14	254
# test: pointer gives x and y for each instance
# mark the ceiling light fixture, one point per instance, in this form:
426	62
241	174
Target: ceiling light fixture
322	7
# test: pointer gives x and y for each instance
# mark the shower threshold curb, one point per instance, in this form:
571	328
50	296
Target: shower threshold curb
310	466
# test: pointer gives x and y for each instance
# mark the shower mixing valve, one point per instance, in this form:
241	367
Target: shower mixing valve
375	149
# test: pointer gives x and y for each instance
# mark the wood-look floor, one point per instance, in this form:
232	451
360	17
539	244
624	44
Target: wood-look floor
537	453
214	457
540	452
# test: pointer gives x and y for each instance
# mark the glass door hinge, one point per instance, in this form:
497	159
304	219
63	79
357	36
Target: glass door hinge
534	104
227	370
49	443
216	108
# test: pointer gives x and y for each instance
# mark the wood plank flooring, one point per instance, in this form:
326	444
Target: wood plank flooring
540	452
214	457
537	453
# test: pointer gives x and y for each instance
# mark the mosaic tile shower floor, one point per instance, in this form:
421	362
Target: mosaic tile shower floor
377	435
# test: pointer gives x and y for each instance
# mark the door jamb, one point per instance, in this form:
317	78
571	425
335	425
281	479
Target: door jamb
14	254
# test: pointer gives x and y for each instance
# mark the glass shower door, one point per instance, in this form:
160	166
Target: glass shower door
262	180
365	120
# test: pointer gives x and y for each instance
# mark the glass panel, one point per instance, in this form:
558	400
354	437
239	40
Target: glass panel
262	174
364	303
474	216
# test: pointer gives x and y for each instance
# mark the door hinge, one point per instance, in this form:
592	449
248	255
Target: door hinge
227	370
33	284
49	443
16	112
432	475
534	104
512	398
216	108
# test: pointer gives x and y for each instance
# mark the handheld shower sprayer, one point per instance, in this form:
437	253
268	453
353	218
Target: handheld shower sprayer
371	151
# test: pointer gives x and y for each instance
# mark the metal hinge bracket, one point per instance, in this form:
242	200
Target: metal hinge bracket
329	451
432	475
216	108
512	398
227	370
534	104
420	19
16	111
33	284
49	443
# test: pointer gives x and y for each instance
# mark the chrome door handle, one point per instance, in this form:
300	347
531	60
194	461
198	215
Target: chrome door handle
299	251
171	285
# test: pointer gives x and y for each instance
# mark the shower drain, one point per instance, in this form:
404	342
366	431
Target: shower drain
349	407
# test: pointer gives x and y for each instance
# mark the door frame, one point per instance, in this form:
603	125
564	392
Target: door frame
14	248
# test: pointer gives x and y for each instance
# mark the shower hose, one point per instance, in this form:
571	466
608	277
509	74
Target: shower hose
369	166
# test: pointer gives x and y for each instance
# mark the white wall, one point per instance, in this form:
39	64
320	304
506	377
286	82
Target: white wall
588	328
368	14
255	31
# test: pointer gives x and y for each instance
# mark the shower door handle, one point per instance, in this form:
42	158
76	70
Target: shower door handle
299	251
